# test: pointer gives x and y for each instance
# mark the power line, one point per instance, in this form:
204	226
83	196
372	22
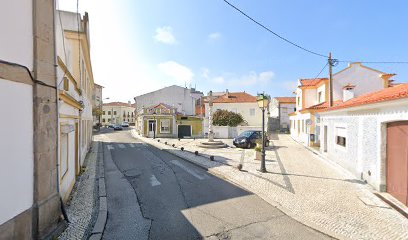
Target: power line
302	48
274	33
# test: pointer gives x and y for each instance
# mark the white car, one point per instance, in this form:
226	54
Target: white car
125	124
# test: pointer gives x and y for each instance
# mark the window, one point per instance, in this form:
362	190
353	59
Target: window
103	119
252	112
341	136
109	112
298	101
319	98
103	112
165	126
66	84
114	113
63	155
341	141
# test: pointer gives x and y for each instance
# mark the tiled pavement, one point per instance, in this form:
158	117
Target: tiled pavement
304	186
81	208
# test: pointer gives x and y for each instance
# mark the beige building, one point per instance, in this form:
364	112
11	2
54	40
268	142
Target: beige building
75	87
97	104
117	113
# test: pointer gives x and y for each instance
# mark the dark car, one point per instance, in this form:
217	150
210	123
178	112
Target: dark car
249	138
118	127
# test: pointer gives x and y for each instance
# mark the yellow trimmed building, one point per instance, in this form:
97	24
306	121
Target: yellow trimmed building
75	91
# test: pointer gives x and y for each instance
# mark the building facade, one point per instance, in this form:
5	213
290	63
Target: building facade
30	201
97	104
117	113
75	86
312	96
279	110
183	99
368	135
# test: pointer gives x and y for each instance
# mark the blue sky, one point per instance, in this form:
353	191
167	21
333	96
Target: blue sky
138	46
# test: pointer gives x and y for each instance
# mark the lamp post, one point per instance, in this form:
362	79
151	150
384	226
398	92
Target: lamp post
154	124
263	102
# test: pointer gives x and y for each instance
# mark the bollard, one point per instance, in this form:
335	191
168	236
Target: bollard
182	148
212	158
165	143
173	145
158	140
196	153
179	139
239	166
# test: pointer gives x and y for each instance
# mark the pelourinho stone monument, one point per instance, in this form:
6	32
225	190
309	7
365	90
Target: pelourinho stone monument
211	143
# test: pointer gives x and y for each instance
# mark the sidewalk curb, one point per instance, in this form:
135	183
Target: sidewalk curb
232	181
100	223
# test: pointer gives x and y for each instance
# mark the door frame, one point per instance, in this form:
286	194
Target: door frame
150	133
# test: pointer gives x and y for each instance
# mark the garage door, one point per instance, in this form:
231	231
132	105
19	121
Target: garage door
184	131
397	160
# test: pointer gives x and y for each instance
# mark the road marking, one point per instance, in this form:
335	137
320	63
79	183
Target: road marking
121	145
153	181
110	147
131	145
192	172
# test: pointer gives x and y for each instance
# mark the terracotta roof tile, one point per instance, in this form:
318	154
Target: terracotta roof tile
118	104
286	99
311	82
387	94
235	97
321	106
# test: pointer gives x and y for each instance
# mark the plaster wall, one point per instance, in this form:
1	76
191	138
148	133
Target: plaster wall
310	97
183	99
297	132
365	151
16	24
242	108
16	147
365	80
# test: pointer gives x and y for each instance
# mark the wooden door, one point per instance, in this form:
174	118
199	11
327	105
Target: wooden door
397	160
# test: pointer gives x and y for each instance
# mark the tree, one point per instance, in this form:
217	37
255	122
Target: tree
227	118
96	112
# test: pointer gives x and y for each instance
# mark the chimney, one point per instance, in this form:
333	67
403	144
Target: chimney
348	92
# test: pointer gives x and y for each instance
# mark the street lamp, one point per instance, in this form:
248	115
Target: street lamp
263	102
154	124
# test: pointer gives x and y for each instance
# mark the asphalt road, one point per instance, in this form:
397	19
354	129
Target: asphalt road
153	194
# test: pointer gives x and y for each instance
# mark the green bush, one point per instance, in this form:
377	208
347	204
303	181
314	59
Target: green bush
227	118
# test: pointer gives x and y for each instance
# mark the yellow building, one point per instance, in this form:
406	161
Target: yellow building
75	86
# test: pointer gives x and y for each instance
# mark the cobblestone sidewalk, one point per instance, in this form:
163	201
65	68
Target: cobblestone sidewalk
83	200
304	186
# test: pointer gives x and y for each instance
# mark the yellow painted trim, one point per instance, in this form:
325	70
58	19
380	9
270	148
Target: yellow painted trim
68	74
68	116
64	96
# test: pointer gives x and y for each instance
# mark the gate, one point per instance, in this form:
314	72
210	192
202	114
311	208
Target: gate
397	160
184	131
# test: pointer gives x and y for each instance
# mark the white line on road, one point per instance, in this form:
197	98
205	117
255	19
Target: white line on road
110	147
121	145
131	145
154	181
192	172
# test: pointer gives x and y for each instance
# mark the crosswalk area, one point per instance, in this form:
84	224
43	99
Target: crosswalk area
116	146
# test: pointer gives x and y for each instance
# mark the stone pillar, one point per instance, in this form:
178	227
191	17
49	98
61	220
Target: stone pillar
46	208
210	121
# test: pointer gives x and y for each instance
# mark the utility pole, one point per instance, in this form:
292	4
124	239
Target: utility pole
330	62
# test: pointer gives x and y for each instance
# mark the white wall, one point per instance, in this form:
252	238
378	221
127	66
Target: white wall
243	109
16	41
364	79
300	136
16	147
365	138
175	96
310	97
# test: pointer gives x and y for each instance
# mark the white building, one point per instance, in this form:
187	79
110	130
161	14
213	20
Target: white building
118	112
237	102
97	103
368	135
182	98
312	96
30	202
75	85
279	110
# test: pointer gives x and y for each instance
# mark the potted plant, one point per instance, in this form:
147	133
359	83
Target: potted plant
258	150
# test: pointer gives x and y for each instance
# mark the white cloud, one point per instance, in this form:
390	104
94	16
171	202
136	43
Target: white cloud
180	73
214	36
290	85
165	35
251	79
205	73
219	80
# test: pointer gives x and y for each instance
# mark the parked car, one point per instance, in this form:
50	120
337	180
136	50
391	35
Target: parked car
249	138
125	124
111	125
117	127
